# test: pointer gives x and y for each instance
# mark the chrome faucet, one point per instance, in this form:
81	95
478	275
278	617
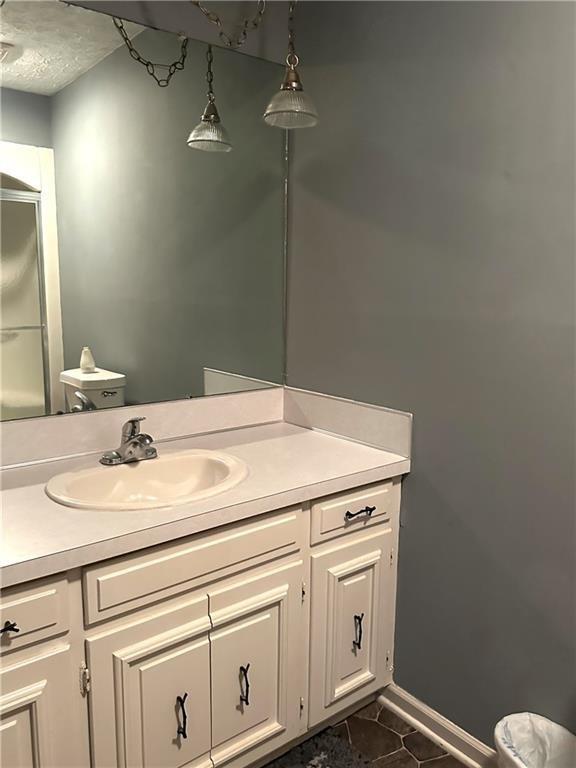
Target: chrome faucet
85	403
135	445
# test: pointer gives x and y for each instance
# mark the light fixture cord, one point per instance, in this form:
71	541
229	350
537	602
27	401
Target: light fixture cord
209	74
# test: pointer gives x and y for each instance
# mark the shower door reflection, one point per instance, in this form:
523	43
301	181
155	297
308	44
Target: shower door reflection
23	359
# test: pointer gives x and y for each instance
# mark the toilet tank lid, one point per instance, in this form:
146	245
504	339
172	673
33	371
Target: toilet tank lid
97	379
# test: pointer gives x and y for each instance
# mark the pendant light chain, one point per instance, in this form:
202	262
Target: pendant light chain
292	59
233	41
210	135
209	74
150	65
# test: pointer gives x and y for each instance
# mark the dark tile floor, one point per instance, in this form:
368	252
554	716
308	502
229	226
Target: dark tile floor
389	742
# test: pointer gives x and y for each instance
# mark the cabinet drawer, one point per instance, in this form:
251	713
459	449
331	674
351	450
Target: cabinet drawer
123	584
34	611
344	513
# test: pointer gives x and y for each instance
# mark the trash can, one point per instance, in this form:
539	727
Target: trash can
525	740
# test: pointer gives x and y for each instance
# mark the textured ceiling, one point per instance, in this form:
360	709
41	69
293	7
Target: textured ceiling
54	43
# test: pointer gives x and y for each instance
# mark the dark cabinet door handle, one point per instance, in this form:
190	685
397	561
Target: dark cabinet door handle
10	626
357	642
365	511
245	685
182	728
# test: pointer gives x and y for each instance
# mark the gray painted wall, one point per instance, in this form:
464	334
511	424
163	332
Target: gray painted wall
171	259
432	270
25	118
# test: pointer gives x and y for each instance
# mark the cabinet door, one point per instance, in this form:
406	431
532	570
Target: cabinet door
352	623
258	652
42	714
151	691
17	747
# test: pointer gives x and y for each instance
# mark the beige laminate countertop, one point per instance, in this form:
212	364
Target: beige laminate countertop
288	465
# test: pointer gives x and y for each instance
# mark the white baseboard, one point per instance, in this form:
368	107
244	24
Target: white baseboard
464	747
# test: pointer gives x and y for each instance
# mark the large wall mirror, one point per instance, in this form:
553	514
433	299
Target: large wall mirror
165	261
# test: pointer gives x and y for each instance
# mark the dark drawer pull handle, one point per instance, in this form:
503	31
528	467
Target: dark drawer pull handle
366	511
10	626
244	685
357	642
182	729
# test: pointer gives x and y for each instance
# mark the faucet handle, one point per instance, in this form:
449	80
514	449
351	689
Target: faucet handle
132	428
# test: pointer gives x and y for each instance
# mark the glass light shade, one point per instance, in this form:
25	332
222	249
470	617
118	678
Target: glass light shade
210	137
291	109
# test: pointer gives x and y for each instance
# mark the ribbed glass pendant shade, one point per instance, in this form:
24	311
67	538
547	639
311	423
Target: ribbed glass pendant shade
291	109
210	137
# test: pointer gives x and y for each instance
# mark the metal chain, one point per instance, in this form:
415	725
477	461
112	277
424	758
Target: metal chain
150	65
292	59
209	74
231	41
291	7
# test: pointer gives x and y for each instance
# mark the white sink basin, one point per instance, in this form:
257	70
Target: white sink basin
169	480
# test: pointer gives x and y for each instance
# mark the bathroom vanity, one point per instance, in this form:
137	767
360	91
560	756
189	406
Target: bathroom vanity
226	583
204	634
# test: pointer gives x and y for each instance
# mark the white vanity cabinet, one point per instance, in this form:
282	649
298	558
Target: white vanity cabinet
42	713
150	689
352	622
258	656
214	650
353	576
205	680
42	721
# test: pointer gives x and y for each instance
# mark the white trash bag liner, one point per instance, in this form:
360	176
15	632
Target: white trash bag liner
525	740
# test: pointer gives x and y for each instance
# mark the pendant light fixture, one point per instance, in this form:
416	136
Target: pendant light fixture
291	107
210	135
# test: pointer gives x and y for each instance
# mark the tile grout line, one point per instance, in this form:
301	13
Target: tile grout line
414	761
390	754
